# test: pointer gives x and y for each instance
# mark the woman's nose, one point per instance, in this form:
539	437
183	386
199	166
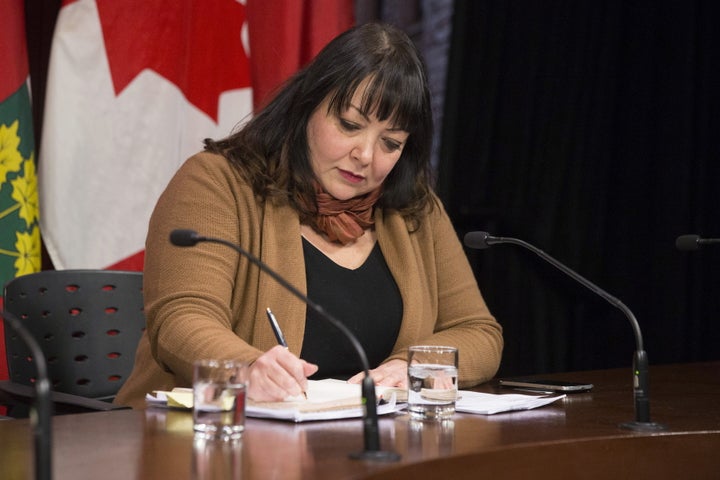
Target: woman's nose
363	150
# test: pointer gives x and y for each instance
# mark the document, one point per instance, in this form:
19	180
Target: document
326	400
490	404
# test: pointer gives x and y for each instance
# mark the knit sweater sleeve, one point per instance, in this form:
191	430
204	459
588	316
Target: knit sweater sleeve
190	293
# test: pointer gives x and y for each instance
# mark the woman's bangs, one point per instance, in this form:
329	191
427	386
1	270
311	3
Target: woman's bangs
388	95
392	99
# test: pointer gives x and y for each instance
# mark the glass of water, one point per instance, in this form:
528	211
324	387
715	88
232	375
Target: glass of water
219	391
432	382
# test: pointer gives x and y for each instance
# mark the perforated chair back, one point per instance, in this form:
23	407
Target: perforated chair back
87	322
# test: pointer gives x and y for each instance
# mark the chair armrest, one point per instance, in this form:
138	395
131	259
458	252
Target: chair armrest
12	393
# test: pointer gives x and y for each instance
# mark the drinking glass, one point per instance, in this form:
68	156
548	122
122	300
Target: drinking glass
432	382
219	392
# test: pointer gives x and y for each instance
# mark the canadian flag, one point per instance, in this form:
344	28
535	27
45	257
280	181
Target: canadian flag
134	86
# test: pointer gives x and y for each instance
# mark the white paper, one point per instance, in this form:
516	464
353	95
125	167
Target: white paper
489	403
297	415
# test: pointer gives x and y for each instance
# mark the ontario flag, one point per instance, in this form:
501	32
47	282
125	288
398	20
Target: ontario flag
135	86
19	231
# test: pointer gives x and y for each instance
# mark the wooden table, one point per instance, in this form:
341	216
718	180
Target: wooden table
577	437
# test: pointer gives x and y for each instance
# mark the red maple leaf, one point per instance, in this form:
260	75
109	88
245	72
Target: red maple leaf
194	44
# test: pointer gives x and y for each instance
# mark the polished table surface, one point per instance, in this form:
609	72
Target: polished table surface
577	437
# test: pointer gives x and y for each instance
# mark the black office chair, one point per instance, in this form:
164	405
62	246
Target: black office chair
88	324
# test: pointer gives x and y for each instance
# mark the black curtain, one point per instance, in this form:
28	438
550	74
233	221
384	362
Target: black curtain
591	130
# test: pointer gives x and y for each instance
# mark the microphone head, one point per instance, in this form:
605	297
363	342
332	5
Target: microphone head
184	238
687	242
477	240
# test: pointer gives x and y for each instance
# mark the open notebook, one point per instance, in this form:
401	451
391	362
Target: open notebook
326	400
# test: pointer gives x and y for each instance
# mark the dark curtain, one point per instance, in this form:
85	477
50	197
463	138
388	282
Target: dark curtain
591	130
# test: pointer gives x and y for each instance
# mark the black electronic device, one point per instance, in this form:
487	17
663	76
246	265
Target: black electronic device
694	242
546	385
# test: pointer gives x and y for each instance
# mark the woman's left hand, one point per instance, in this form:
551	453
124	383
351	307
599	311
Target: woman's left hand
389	374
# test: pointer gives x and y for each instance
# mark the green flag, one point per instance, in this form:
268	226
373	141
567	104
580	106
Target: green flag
19	231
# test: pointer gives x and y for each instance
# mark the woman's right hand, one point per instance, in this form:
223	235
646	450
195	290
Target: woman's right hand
278	374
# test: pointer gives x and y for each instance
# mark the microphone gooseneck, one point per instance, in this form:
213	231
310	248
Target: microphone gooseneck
482	240
371	431
42	422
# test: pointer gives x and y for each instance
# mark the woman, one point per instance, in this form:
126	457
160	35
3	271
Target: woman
329	185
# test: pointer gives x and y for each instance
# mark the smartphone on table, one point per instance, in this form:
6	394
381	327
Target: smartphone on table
546	385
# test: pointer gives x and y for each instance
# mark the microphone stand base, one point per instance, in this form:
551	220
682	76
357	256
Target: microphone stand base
376	456
643	426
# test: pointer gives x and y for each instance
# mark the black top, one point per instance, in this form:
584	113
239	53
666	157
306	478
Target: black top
366	300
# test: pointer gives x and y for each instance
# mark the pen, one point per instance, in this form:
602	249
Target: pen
276	328
278	333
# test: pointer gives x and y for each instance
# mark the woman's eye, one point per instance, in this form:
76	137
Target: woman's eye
392	145
347	125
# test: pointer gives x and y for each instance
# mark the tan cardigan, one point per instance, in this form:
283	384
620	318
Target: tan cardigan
208	302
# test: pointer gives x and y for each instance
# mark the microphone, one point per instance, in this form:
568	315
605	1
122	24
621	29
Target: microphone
371	431
690	242
641	394
42	421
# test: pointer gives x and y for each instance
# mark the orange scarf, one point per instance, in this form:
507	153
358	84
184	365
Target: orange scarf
343	221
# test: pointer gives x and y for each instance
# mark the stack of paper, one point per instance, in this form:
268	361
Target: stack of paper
489	404
326	400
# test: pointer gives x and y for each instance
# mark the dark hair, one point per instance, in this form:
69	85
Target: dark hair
271	150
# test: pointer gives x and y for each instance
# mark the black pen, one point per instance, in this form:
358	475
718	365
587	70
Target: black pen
276	328
278	333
